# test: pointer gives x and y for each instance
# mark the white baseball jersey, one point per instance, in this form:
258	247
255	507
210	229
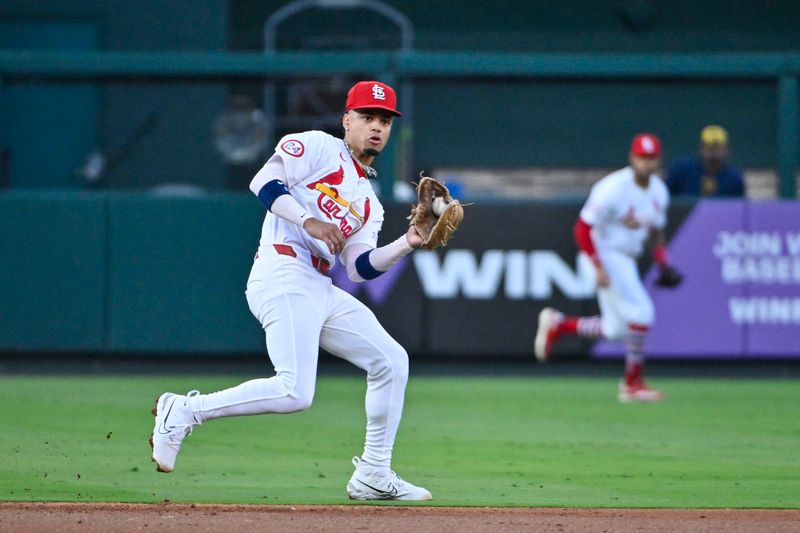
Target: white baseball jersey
325	179
622	213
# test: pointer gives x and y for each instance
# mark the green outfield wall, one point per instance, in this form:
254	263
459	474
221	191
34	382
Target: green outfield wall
126	272
152	273
147	273
54	270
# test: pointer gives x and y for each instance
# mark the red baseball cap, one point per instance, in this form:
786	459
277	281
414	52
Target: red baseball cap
646	145
372	95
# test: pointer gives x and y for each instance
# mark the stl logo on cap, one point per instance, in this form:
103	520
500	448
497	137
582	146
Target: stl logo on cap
646	145
378	93
372	95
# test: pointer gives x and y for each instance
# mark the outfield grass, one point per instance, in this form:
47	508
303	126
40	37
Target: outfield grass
551	442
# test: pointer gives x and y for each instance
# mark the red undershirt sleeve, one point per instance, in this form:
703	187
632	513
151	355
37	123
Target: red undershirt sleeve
583	237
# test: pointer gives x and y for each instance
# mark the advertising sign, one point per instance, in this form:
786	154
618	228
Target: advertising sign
480	296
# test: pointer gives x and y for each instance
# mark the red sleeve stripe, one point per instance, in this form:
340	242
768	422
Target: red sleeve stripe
583	237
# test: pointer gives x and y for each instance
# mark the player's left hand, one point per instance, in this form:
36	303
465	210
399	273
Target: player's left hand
669	277
437	215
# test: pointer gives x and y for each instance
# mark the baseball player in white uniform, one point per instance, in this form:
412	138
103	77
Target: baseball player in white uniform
624	209
320	204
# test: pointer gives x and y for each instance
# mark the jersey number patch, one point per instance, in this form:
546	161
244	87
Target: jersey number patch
293	147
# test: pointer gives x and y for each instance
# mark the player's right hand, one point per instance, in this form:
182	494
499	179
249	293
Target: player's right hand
602	277
326	232
413	237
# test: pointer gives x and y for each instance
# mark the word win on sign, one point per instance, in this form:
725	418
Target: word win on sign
515	274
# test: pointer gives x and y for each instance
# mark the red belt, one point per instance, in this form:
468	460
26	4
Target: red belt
317	262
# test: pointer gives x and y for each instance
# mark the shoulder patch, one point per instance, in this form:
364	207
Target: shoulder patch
293	147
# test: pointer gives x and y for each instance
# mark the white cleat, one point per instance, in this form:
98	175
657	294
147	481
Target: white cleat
546	333
638	393
370	483
174	422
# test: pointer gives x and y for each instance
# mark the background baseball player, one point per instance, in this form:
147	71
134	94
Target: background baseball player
320	204
624	209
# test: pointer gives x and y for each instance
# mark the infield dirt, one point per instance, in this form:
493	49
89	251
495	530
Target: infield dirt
123	518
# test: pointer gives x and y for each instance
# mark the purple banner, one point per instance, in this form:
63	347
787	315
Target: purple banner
378	289
772	273
741	293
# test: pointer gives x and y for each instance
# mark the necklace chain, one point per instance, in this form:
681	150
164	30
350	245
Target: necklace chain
368	170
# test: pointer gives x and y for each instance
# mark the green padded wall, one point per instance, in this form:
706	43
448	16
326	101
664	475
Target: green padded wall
52	271
178	268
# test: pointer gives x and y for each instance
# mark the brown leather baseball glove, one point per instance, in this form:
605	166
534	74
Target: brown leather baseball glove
437	215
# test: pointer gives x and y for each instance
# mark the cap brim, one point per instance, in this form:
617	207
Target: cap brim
385	108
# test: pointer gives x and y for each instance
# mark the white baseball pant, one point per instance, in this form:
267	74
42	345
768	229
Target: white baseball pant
300	310
625	301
